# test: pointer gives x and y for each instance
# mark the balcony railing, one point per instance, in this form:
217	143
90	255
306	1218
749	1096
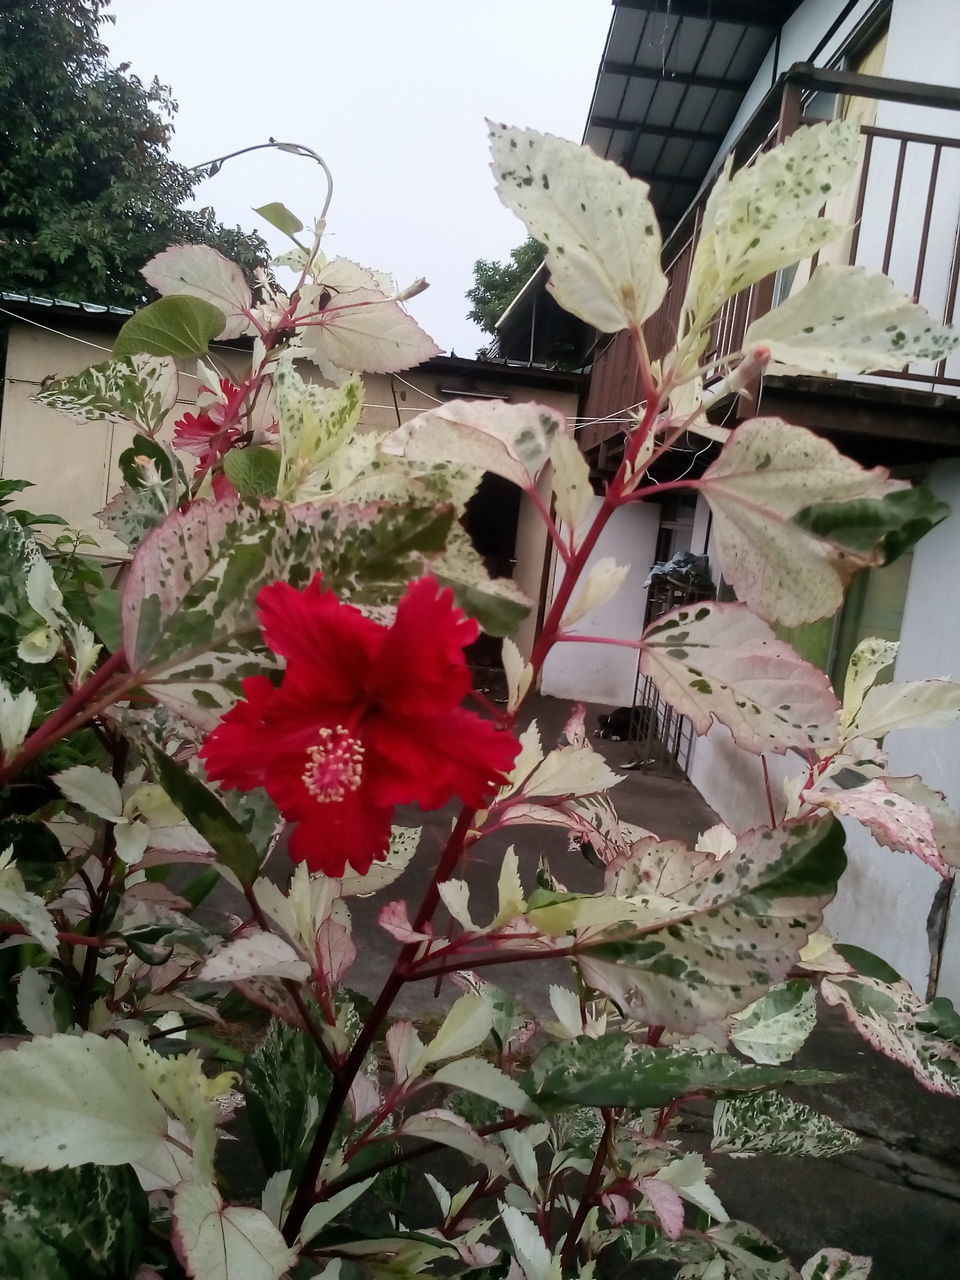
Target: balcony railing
905	222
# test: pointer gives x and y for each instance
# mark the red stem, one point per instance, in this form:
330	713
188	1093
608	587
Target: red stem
590	1188
70	939
59	724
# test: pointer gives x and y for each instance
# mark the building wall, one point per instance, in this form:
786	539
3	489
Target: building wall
75	467
602	672
885	898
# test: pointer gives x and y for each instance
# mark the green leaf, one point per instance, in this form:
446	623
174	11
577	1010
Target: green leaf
886	526
189	604
206	814
736	930
286	1085
71	1224
866	963
137	388
37	853
614	1071
769	1124
254	471
173	326
107	626
279	216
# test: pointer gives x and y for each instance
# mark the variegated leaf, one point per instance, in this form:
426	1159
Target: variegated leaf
199	271
600	231
740	933
764	217
901	813
141	389
189	617
774	1028
217	1241
314	422
745	1254
770	1124
869	658
768	473
67	1100
891	1017
836	1264
255	954
849	320
349	323
511	440
915	704
721	662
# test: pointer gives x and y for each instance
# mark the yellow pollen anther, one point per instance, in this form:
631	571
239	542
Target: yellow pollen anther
334	765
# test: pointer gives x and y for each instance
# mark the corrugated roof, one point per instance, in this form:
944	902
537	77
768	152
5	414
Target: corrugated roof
62	304
671	80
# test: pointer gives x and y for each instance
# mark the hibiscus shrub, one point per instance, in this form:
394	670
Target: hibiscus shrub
288	650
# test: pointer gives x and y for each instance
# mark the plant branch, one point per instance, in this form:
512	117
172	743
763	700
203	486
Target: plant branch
14	929
590	1189
77	709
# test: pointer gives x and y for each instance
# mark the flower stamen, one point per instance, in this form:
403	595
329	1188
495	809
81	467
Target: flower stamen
334	765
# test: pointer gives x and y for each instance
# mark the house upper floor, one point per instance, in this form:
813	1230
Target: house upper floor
683	84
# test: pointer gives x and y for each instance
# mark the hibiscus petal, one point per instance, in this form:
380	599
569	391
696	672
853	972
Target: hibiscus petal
353	831
335	642
422	670
427	761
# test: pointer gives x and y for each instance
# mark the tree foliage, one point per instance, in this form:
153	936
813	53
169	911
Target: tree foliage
88	191
496	284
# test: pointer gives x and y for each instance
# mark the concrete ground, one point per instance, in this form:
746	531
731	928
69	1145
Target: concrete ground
897	1198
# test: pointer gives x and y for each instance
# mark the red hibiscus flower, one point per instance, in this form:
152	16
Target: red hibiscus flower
210	434
366	717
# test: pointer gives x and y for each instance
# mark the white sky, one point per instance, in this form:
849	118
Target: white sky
393	94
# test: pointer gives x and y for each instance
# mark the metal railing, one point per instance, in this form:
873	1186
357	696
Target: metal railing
905	223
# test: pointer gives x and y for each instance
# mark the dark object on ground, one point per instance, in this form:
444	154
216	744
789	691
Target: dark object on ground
693	571
628	724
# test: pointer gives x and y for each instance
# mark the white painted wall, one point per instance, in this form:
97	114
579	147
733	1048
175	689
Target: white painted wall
800	36
603	672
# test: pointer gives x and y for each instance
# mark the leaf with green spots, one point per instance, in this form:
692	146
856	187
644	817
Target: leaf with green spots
71	1224
721	662
890	525
765	216
613	1070
850	320
155	486
174	326
139	388
774	1028
597	223
768	473
511	440
18	554
189	604
896	1022
769	1124
254	471
731	934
